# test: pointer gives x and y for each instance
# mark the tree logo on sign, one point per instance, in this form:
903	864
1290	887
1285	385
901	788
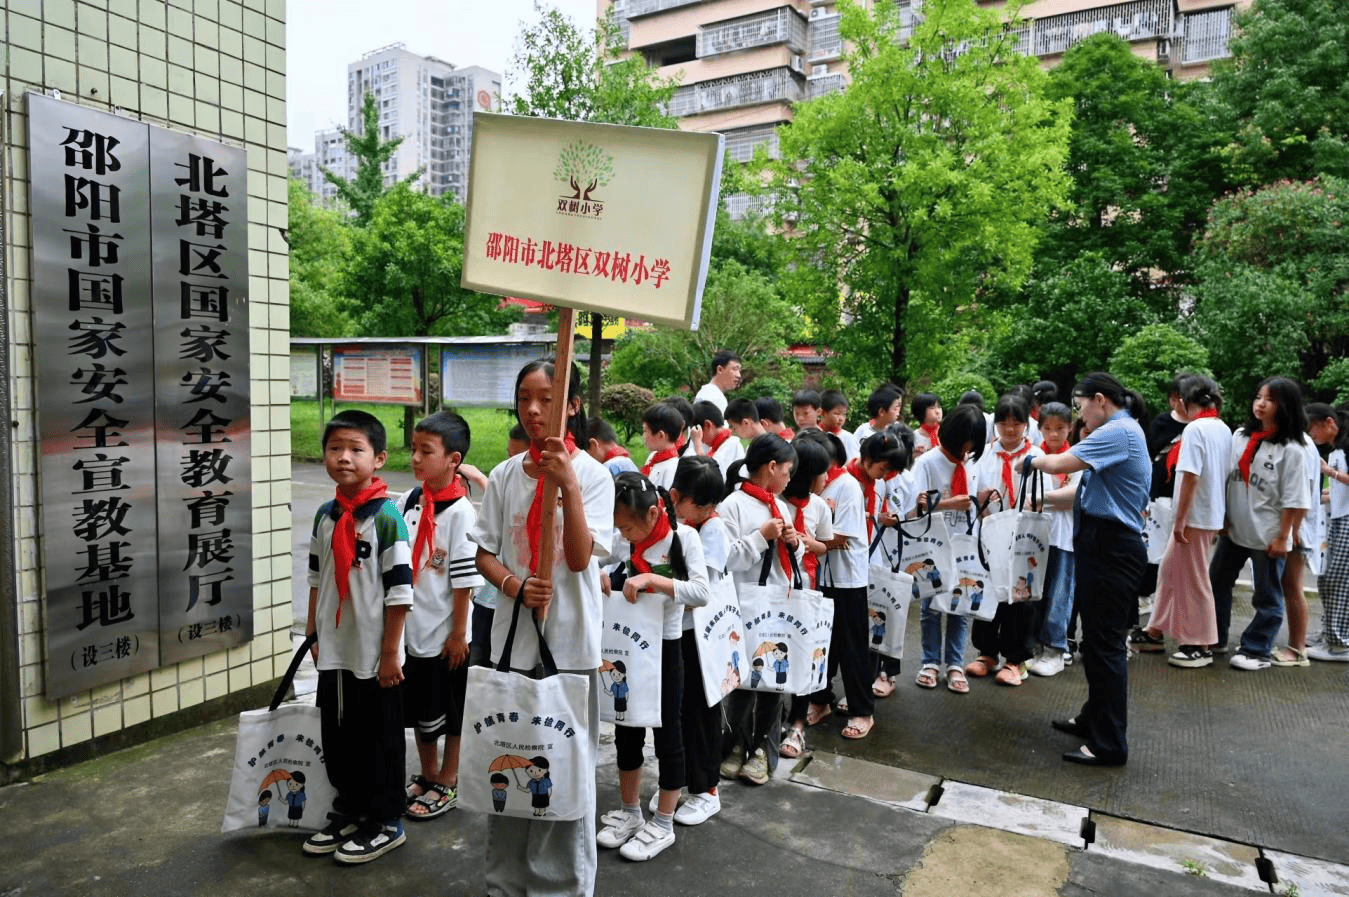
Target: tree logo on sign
583	167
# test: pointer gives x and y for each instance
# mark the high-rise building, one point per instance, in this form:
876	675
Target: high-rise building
743	63
427	102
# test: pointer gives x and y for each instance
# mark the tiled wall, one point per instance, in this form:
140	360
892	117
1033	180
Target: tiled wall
216	68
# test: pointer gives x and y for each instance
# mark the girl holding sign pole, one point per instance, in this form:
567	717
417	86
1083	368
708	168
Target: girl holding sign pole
526	856
667	558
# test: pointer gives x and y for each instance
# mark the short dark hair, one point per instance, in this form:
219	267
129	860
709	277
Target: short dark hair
1011	406
809	397
921	403
363	421
741	409
706	412
599	430
1044	391
683	406
904	433
698	478
884	446
972	397
832	444
832	398
664	417
723	358
451	428
881	398
1056	409
812	459
965	424
769	408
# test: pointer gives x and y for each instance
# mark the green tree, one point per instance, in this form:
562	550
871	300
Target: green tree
402	277
371	153
1144	165
1148	361
319	241
927	177
1287	88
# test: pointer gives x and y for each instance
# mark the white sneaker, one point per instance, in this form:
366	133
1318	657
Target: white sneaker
1243	661
1328	653
697	809
649	841
619	826
653	805
1049	663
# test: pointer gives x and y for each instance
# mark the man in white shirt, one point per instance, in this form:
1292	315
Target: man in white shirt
725	377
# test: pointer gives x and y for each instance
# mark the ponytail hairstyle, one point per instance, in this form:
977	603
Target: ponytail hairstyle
812	459
576	423
965	424
904	433
638	495
698	478
1290	421
886	448
762	450
831	443
1202	391
1115	393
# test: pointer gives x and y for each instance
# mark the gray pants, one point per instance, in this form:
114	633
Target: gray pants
528	858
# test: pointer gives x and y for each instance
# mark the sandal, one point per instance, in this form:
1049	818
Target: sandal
817	713
858	727
793	744
427	806
883	687
422	784
927	677
956	681
983	665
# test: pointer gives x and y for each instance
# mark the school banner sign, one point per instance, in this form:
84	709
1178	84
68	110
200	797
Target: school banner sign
605	218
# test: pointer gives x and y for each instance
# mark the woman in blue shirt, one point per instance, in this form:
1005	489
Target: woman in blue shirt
1109	554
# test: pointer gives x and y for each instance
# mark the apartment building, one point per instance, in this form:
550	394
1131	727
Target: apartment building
426	101
743	63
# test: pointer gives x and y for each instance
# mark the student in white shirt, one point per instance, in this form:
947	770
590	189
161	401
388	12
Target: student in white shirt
1333	646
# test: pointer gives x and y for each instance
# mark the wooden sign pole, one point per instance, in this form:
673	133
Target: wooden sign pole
557	426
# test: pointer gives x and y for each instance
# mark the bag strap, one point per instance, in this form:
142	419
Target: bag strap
549	666
1036	489
798	580
283	688
767	566
933	497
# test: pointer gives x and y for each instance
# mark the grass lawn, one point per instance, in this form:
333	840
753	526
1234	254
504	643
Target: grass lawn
488	426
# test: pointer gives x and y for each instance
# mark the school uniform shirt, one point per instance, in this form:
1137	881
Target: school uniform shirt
895	494
1061	522
819	524
850	444
1206	452
715	542
933	472
848	567
1278	481
381	576
574	616
864	429
692	592
743	516
988	470
1119	472
452	565
1339	492
1312	530
921	442
730	451
710	392
662	474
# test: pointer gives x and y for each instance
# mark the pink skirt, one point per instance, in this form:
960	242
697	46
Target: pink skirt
1184	608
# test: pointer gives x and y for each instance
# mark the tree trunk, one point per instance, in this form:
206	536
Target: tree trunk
409	421
596	361
898	357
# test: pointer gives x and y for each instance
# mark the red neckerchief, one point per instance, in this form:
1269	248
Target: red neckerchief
658	532
761	494
722	435
683	438
1173	456
960	484
931	431
786	433
833	473
662	455
810	562
425	540
699	526
616	452
534	519
344	536
1044	447
1008	483
868	489
835	430
1244	465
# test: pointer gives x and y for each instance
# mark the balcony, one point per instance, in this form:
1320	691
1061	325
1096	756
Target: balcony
1206	35
772	85
820	85
825	42
1141	20
777	26
741	142
647	7
738	205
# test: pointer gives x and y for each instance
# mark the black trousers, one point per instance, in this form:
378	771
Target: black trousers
700	724
1008	634
363	747
849	653
1110	560
667	737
